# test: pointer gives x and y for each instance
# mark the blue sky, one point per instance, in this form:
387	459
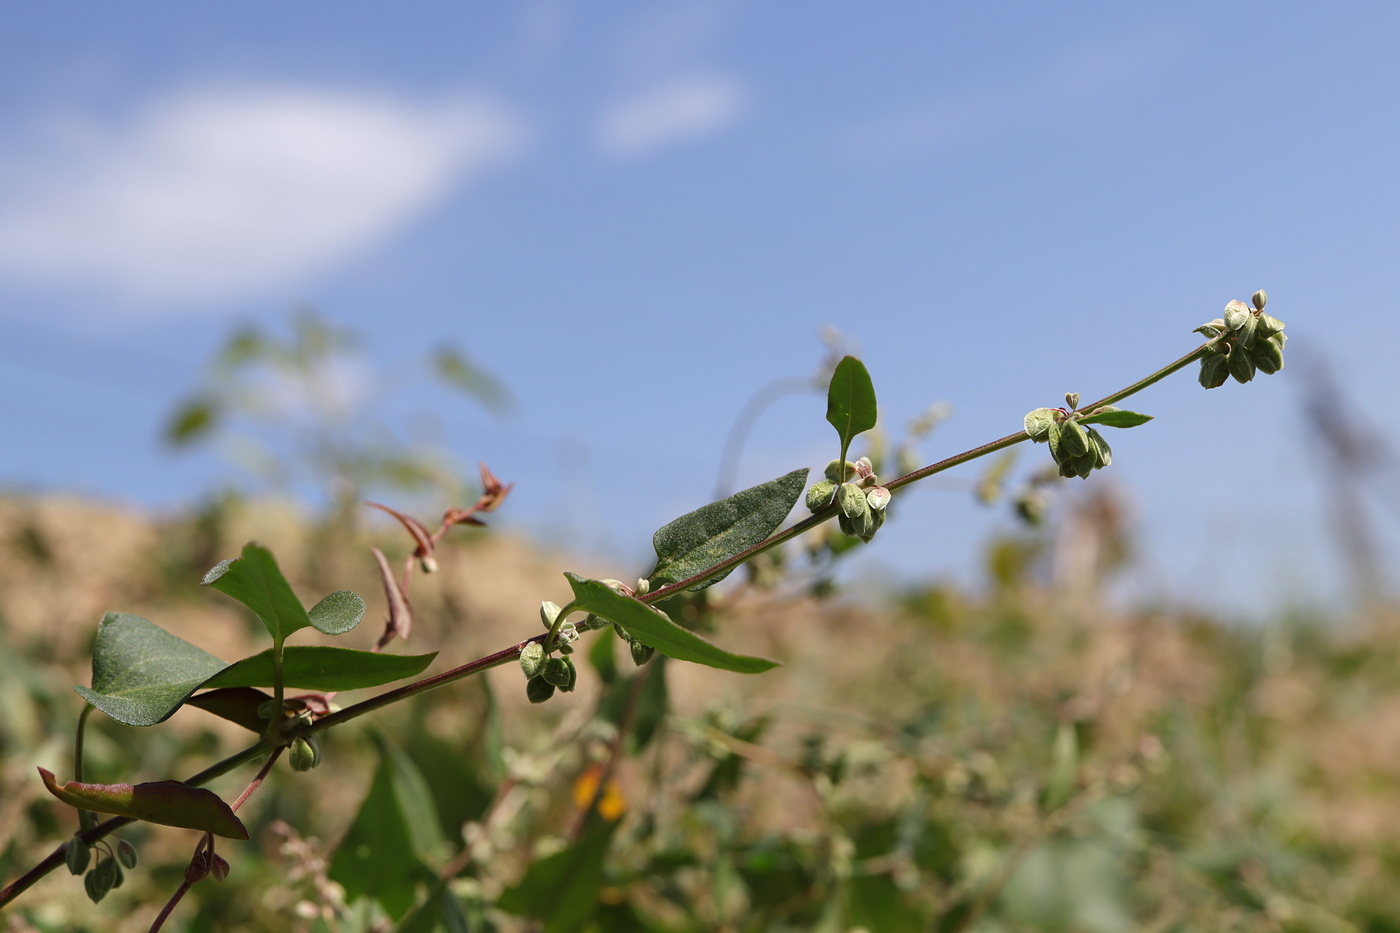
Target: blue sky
637	214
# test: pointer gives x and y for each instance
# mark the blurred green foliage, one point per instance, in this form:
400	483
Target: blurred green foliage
1020	757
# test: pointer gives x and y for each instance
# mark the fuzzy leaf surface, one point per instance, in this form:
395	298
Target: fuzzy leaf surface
255	581
653	627
141	673
850	401
338	613
169	803
1116	419
321	667
697	541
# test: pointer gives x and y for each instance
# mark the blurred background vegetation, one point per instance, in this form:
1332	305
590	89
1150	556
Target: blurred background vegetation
1024	754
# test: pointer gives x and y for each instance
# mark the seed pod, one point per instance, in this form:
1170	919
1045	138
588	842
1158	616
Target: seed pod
304	753
555	671
539	690
219	868
573	675
1103	454
1268	355
1241	366
126	854
877	519
76	855
1259	299
1038	423
1074	440
96	885
1056	438
548	613
1214	371
531	659
1235	314
1084	464
820	495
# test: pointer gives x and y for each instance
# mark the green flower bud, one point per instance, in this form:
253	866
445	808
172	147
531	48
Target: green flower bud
531	659
548	613
837	474
1259	299
76	855
1074	439
556	671
1241	366
641	653
304	753
1268	354
539	690
126	854
856	510
573	676
643	587
1214	371
1055	437
1248	331
1038	424
1269	325
102	879
1236	312
820	495
1071	400
1103	454
1084	464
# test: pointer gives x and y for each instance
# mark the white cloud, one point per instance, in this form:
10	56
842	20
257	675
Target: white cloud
223	193
673	113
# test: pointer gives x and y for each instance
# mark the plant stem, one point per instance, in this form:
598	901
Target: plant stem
55	858
86	818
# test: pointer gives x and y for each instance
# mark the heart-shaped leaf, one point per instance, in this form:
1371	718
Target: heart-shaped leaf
142	673
850	401
338	613
255	581
712	533
653	627
169	803
321	667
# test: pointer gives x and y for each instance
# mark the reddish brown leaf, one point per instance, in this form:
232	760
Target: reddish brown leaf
400	612
169	803
421	535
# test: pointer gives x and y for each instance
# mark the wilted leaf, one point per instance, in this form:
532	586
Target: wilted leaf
169	803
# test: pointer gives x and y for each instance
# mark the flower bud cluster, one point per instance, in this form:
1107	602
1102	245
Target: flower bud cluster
857	492
1077	449
544	674
1253	341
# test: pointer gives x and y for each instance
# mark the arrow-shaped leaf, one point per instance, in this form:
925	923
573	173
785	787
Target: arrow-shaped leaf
850	401
169	803
1115	418
653	627
712	533
141	673
321	667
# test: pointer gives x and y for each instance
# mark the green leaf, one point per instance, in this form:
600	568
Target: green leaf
169	803
1037	423
142	673
653	627
698	541
338	613
255	581
850	401
1114	418
561	890
321	667
395	834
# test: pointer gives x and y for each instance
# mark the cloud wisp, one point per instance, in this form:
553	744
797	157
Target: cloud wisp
672	113
224	193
